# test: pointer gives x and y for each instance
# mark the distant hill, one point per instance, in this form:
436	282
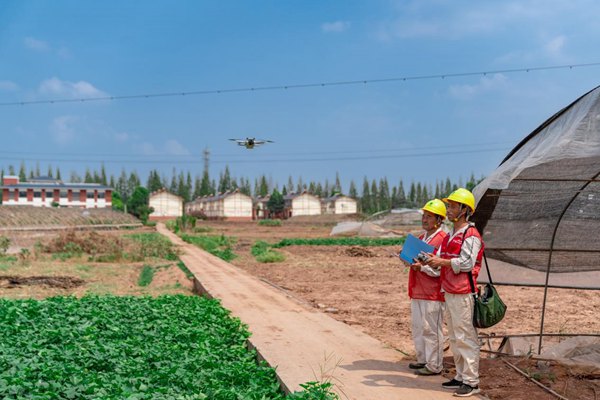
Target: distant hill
22	217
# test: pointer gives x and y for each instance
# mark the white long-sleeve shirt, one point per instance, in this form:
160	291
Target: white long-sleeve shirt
468	252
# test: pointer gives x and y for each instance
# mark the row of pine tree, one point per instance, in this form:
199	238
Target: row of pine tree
376	195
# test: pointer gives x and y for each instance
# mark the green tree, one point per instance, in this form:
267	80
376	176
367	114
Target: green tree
276	203
374	198
385	202
57	174
88	176
337	188
225	180
352	191
263	188
365	201
154	182
103	180
117	202
22	172
49	173
137	204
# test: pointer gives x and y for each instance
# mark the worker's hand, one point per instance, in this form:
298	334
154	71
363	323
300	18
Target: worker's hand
434	261
416	266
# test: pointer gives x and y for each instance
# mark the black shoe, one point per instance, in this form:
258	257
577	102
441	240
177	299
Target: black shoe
466	390
453	384
425	372
416	365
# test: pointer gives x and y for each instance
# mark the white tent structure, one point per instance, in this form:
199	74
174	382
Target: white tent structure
539	211
166	205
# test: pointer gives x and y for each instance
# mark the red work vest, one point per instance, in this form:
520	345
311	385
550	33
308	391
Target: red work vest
459	283
422	286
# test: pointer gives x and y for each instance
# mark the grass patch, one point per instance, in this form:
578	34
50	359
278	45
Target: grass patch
269	222
154	245
345	241
219	246
146	276
84	268
185	269
263	253
8	259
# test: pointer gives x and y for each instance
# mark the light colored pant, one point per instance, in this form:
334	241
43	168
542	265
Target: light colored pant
464	343
427	323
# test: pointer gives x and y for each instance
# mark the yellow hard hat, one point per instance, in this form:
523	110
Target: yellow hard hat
463	196
435	206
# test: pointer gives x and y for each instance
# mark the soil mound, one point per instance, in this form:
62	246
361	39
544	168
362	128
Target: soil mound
61	282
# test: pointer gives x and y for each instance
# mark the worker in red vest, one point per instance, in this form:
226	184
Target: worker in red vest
427	299
461	254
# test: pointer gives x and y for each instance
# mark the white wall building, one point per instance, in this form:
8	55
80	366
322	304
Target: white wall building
46	192
304	203
339	204
230	206
166	205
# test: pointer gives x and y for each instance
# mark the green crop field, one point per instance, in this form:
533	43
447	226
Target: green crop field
169	347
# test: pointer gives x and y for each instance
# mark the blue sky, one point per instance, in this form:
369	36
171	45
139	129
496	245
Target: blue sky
419	130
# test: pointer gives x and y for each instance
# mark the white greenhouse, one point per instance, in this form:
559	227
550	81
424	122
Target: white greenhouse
166	205
304	203
339	204
234	206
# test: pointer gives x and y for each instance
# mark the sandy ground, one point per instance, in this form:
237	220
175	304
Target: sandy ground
369	292
365	289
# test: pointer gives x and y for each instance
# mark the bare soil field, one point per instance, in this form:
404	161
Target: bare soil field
367	288
362	287
31	275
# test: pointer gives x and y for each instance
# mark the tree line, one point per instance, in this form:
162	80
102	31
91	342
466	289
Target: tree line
375	194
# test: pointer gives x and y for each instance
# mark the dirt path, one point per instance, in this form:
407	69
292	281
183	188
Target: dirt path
305	344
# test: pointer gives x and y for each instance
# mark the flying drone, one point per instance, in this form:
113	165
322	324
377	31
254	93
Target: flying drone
249	143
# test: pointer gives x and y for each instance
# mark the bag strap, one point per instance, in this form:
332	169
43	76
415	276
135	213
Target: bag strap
471	282
473	292
487	268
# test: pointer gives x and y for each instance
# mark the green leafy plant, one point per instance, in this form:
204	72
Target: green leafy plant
153	245
146	275
269	222
185	269
263	253
219	246
108	347
4	244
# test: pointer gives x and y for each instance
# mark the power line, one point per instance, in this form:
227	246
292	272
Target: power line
280	160
253	154
296	86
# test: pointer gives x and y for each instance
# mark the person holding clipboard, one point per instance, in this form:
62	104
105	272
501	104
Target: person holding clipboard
427	300
460	256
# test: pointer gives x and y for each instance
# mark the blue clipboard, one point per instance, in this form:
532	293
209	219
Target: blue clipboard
412	247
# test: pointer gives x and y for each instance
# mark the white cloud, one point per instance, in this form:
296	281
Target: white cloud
147	149
555	46
459	19
35	44
121	137
336	27
173	147
486	84
57	87
63	129
8	86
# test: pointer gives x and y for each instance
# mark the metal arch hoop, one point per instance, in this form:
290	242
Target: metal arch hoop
585	185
